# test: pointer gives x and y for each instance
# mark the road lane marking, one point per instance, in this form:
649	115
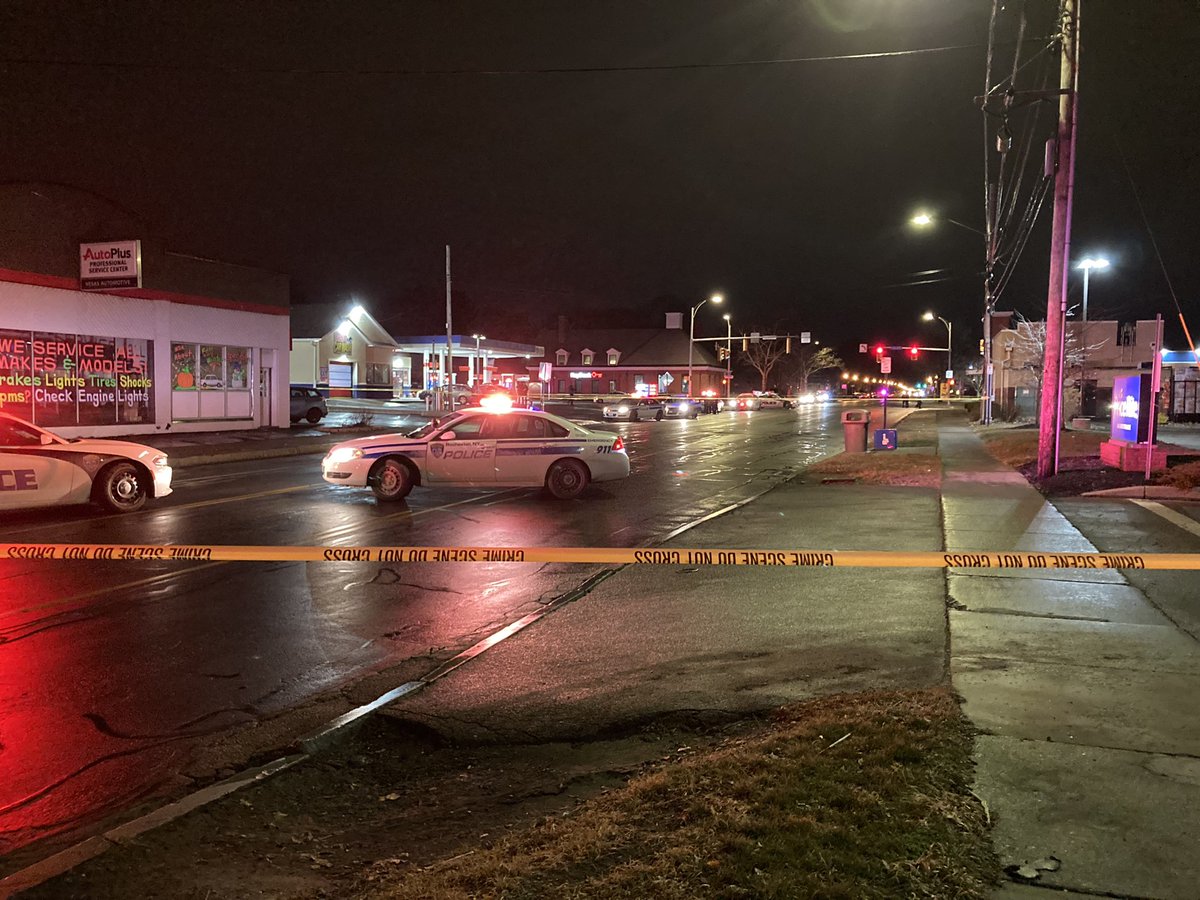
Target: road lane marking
1175	518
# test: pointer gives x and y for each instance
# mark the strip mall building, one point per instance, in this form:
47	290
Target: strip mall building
105	332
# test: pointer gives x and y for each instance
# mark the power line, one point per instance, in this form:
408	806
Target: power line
554	70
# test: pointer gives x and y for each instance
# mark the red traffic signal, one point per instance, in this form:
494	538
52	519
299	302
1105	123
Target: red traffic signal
879	350
913	352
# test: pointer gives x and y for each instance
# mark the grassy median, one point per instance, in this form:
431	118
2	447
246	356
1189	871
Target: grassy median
851	796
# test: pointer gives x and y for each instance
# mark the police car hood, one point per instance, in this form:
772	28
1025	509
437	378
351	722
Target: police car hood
115	448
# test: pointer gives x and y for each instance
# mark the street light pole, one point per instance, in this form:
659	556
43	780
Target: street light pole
478	360
728	355
929	317
715	298
1087	265
925	219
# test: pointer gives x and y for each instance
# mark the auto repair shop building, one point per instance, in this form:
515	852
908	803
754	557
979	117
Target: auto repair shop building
105	332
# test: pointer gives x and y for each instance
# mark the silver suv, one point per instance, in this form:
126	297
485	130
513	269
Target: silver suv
307	403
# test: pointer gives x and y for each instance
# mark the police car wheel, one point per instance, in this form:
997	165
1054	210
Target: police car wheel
566	479
119	488
314	416
391	480
659	416
633	416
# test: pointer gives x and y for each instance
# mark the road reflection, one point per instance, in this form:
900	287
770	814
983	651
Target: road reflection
114	675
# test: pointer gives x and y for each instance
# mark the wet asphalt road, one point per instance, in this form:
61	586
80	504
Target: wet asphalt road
113	676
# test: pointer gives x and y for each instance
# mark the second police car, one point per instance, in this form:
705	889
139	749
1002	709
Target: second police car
499	447
39	468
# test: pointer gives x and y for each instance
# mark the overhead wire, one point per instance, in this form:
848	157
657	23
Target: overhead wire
1137	196
549	70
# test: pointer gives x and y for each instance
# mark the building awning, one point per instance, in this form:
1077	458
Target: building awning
465	345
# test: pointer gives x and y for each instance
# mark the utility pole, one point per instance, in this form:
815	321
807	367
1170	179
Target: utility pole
1050	418
449	397
989	387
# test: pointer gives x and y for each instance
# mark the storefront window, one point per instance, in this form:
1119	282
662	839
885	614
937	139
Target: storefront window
62	379
135	385
183	367
212	368
379	373
210	382
237	365
95	380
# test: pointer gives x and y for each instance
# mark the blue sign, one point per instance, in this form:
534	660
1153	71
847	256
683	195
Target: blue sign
885	439
1131	409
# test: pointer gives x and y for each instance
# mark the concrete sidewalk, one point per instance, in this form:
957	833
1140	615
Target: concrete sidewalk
1083	691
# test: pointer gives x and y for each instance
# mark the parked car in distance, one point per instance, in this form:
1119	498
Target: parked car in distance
39	468
762	400
815	397
634	408
681	408
460	394
307	403
498	448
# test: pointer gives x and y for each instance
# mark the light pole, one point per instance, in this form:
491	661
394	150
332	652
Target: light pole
924	219
728	354
929	317
715	298
478	360
1087	265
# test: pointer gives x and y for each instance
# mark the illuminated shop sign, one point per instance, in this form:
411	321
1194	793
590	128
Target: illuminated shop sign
115	264
587	374
59	379
1131	409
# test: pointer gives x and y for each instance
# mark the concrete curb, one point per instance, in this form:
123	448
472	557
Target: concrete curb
188	462
1148	492
67	859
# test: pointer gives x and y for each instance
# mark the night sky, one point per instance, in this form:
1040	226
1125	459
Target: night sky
312	139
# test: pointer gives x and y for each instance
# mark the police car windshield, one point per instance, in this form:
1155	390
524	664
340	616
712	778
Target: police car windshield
16	434
434	424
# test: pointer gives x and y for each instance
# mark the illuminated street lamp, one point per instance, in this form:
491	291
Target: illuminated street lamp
929	317
715	298
924	220
1087	265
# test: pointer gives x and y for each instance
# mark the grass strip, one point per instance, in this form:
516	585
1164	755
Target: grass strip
1017	447
850	796
896	469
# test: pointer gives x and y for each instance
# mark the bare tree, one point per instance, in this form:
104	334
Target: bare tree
1028	350
764	356
811	359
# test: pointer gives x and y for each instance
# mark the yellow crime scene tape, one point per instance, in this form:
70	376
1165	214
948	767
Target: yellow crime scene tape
607	555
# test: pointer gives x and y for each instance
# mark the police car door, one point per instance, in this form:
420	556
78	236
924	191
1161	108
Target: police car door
33	473
523	447
461	455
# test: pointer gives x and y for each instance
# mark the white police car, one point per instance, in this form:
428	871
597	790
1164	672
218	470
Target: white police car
500	447
39	468
681	408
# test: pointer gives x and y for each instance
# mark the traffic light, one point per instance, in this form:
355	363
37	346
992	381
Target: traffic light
787	345
745	345
879	351
913	352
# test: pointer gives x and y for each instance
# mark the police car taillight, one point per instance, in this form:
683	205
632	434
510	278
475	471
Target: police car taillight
618	445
